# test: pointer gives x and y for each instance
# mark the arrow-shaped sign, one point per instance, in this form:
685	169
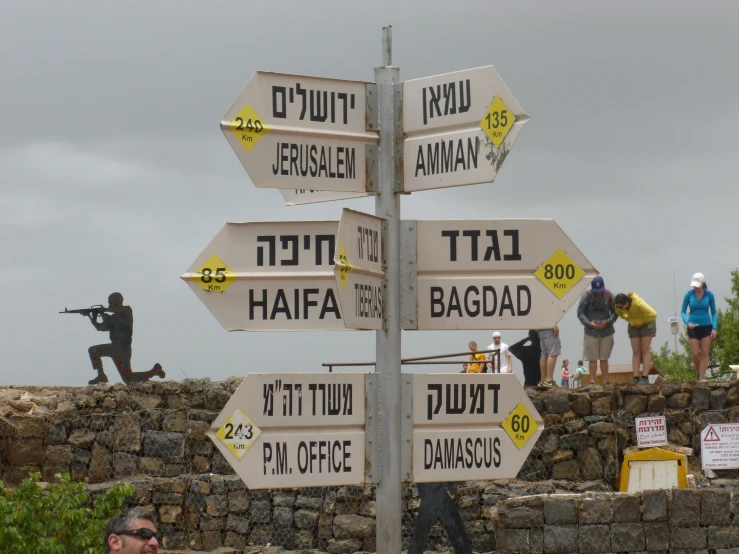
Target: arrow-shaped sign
494	274
270	277
295	430
459	128
471	427
297	132
358	270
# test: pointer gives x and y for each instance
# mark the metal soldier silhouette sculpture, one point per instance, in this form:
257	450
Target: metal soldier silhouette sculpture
436	504
117	319
529	355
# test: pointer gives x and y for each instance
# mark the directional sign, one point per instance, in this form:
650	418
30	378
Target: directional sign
459	128
296	197
270	277
358	270
470	427
295	430
297	132
495	274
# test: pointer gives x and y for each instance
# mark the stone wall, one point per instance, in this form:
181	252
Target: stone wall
680	520
152	434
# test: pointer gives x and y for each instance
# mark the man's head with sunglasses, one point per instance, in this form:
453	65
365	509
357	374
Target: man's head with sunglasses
132	532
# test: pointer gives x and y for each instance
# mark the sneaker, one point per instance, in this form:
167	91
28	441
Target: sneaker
101	378
636	380
644	380
546	384
158	371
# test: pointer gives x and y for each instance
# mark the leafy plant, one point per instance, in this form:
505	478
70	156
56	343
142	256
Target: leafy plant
727	351
677	366
57	519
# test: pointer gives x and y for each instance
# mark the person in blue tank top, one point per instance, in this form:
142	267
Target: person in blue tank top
702	322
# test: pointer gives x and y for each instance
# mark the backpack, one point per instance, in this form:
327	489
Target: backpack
607	294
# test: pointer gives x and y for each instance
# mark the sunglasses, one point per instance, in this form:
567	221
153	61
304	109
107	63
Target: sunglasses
142	533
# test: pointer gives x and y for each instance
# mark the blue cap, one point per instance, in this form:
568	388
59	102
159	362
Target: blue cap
597	285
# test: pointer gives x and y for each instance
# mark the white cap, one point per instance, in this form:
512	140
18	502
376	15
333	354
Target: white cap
698	280
496	334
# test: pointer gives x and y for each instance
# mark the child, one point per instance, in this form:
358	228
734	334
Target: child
565	374
579	372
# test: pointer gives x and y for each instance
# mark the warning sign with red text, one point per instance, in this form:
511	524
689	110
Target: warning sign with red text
720	446
651	431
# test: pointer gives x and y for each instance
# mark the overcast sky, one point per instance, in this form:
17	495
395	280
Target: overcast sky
115	175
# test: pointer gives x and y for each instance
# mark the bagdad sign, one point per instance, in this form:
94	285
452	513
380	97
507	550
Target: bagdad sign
297	132
358	270
459	128
469	427
498	273
295	430
270	277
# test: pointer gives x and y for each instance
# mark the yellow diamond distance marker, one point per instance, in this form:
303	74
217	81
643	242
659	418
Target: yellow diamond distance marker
497	121
214	275
345	268
519	425
559	273
248	127
238	433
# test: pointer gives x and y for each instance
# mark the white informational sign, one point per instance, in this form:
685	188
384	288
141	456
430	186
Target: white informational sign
459	128
295	430
471	427
358	258
720	446
496	274
298	197
651	431
298	132
270	277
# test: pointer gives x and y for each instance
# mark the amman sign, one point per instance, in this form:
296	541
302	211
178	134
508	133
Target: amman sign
283	430
298	132
270	277
471	426
459	128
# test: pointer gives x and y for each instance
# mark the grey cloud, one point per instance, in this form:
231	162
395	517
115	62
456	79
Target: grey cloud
114	173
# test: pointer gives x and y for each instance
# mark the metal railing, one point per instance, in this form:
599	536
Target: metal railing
424	360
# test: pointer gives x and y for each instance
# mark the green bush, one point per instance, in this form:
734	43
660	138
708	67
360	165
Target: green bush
57	519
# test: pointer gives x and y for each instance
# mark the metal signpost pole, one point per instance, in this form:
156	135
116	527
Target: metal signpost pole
387	206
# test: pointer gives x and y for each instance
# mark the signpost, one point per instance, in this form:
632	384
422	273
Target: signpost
498	273
298	132
295	430
468	427
358	270
459	128
270	277
326	139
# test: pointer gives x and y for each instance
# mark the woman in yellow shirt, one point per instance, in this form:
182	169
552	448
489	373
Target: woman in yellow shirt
642	320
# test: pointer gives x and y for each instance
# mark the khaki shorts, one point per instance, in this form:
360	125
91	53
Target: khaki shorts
597	348
648	330
549	344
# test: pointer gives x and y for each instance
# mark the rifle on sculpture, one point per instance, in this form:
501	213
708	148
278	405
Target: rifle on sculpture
96	310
